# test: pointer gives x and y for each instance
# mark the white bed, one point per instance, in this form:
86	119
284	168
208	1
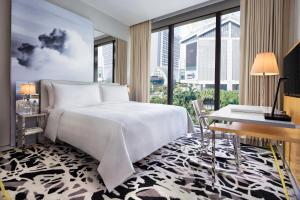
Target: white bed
115	133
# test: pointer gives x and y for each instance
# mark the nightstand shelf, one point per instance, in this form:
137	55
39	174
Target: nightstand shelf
23	130
33	130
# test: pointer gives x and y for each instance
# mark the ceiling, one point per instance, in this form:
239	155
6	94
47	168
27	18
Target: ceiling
130	12
98	34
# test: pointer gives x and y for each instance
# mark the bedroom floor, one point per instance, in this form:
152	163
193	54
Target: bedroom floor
59	171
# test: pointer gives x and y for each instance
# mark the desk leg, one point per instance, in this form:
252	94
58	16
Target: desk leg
283	154
213	159
237	151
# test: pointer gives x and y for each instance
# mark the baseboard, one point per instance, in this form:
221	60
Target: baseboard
4	148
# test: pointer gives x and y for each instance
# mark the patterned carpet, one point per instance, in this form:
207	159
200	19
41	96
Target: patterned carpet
59	171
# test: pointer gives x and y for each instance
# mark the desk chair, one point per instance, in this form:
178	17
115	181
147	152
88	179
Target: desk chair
205	133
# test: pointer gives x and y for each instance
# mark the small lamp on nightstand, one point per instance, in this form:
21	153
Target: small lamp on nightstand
27	89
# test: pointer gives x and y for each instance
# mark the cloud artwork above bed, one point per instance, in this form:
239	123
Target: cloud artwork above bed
49	42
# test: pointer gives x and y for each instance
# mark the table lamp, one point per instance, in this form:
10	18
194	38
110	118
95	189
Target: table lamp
27	89
265	64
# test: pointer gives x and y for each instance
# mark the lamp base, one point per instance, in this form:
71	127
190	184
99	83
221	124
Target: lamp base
278	117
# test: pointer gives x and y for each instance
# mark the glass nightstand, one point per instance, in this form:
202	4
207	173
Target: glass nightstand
24	130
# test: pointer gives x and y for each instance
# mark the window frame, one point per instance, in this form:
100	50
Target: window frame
218	41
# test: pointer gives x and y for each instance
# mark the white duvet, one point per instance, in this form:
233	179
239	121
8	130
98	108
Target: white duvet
118	134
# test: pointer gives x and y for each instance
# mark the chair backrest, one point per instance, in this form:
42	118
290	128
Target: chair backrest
199	107
196	108
201	113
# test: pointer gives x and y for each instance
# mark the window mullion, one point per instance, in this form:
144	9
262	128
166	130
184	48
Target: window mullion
170	64
217	62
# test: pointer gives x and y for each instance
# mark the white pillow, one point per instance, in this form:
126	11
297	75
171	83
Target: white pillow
50	95
50	90
70	95
116	93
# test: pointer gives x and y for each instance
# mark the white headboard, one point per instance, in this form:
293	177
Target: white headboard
44	98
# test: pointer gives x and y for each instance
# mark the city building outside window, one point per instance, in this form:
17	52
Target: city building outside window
159	67
105	63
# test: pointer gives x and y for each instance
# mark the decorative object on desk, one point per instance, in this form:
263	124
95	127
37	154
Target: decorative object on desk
265	64
272	115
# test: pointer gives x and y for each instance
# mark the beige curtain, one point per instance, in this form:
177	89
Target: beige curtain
121	62
140	61
263	29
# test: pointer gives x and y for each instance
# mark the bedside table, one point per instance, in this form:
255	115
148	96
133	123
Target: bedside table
23	130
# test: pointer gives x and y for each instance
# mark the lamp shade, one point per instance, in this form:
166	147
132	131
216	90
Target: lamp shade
265	64
27	89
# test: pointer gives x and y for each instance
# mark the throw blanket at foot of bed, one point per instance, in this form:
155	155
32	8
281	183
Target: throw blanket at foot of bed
118	134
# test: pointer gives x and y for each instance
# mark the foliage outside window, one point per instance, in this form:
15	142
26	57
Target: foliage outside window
184	95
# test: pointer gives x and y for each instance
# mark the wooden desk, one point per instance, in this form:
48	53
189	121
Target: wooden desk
250	123
292	107
261	131
251	114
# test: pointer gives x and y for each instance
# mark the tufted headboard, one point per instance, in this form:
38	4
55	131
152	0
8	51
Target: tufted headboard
44	97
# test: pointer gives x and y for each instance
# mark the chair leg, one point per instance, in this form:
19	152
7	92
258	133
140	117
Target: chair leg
207	136
213	159
200	149
202	134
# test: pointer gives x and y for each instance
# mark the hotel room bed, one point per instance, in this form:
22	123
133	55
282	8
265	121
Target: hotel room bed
116	133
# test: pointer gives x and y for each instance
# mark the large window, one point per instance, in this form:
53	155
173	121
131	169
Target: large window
205	62
230	58
159	67
104	62
195	59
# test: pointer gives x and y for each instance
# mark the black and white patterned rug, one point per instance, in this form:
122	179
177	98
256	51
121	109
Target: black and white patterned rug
59	171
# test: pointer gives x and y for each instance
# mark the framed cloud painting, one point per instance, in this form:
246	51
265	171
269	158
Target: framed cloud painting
49	42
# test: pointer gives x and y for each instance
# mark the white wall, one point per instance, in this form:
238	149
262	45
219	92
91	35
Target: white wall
102	22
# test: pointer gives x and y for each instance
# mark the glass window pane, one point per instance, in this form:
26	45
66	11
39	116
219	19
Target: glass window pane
230	58
194	64
159	67
105	63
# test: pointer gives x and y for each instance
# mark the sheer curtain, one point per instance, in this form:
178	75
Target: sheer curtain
140	61
263	29
121	62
